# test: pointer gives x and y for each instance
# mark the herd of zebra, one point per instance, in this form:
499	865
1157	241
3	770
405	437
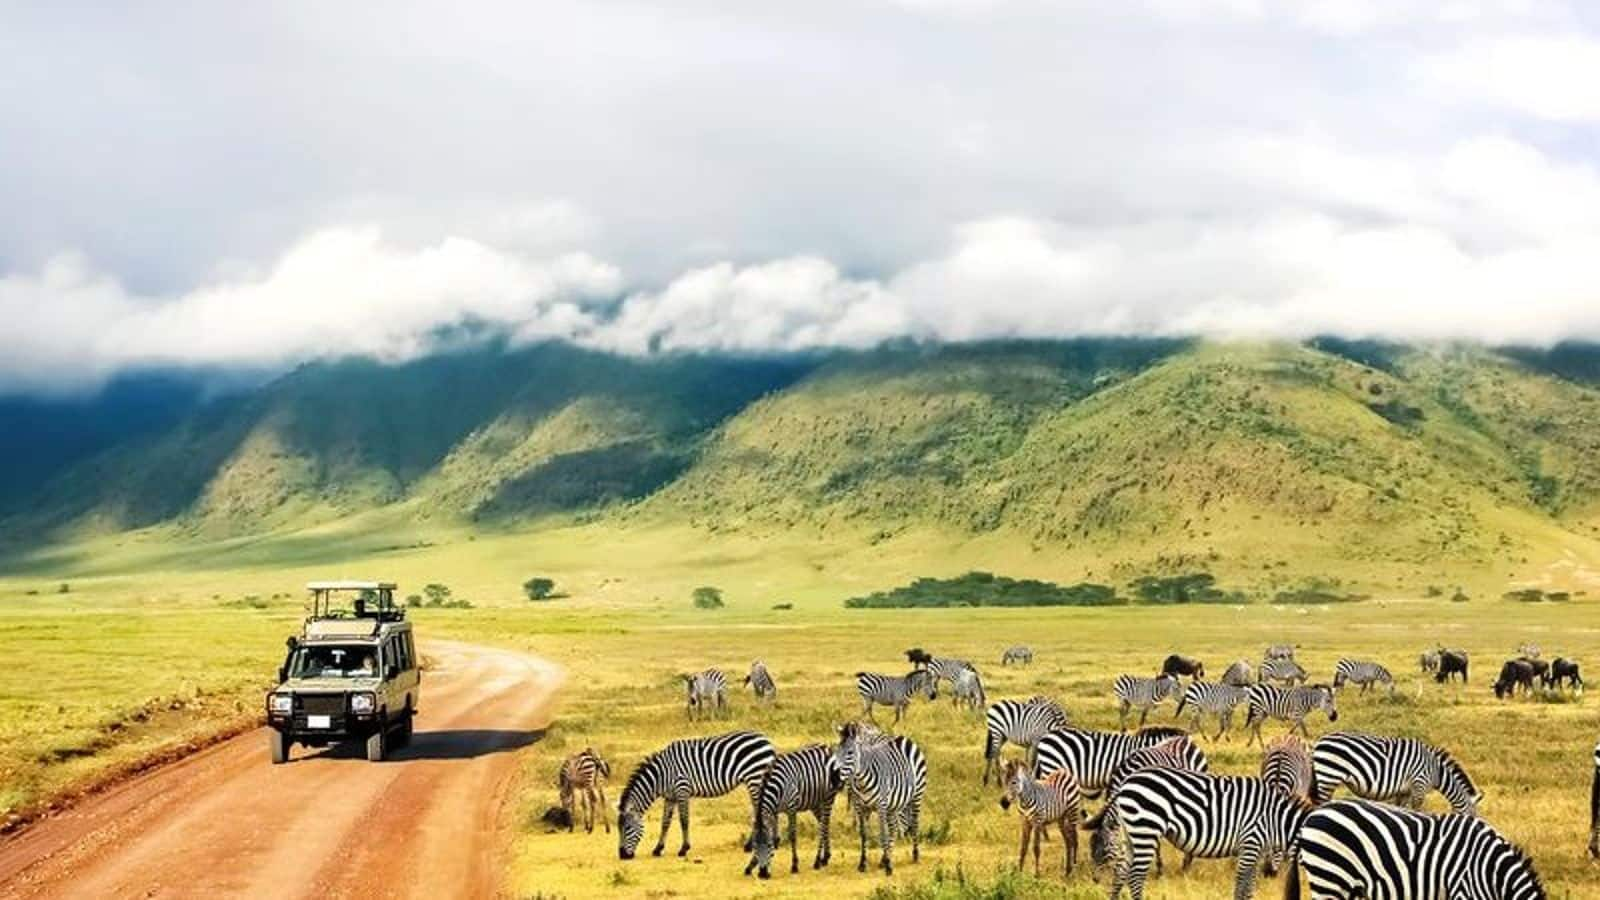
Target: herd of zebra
1156	783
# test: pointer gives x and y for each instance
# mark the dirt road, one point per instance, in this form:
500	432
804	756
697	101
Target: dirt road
227	823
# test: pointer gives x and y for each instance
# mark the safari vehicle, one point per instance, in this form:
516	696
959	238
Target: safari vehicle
351	674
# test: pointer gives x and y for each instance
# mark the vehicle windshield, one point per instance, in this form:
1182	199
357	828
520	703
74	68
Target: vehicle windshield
335	661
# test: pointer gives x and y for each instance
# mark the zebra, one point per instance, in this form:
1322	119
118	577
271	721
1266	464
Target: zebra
1203	815
1055	800
805	780
1021	722
1429	660
1172	753
1360	849
1289	704
1361	672
1142	693
1093	756
1528	651
707	691
1217	699
693	767
893	690
968	690
760	681
1286	766
1279	651
1020	654
1393	769
585	772
947	669
1285	671
889	775
1594	807
1239	674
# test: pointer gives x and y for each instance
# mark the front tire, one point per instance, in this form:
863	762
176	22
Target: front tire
279	743
402	735
377	745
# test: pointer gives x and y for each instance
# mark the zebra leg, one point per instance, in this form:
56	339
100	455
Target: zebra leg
754	787
1122	715
588	810
1300	726
914	822
666	822
794	843
1037	831
824	816
1139	868
1143	715
1244	879
886	838
863	815
605	817
683	824
1069	840
1022	852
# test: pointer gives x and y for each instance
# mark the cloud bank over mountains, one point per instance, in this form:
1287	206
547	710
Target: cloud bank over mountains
299	183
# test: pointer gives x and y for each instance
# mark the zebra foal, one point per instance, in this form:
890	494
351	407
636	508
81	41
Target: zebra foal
707	693
584	772
695	767
760	681
1053	801
806	780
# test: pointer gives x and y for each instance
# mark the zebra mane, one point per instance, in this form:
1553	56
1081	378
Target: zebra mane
1452	765
634	778
1161	732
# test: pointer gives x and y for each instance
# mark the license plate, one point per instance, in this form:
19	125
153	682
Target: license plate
319	721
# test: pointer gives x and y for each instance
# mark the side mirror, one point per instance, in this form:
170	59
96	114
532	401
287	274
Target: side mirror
283	674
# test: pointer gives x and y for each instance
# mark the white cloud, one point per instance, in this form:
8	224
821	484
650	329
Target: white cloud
1549	76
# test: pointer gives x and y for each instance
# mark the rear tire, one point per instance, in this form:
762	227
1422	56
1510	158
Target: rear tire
377	745
279	743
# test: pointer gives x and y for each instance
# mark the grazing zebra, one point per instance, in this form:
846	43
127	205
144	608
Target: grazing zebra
760	681
1019	654
1393	769
1239	674
1133	692
1361	672
1171	753
893	690
1283	671
889	775
1203	815
805	780
1279	651
584	772
1451	663
1594	807
1289	704
708	692
694	767
1093	756
945	669
968	690
1052	801
1286	765
1217	699
1360	849
1020	722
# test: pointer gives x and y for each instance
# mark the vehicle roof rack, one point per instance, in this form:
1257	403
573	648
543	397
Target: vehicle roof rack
375	602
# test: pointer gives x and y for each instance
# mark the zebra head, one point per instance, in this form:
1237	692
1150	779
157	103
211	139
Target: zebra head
765	839
1501	870
848	753
1457	786
921	681
636	798
1324	701
1015	778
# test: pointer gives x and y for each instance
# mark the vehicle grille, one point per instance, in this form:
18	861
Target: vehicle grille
331	705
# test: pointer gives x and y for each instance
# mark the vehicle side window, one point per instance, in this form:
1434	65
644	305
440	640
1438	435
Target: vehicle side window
411	652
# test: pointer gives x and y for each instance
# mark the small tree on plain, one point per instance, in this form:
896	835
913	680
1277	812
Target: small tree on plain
436	593
414	600
708	597
539	588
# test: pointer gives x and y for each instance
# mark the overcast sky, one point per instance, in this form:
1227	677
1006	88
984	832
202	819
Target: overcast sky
261	184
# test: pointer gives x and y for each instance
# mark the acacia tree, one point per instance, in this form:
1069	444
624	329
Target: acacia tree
707	597
539	588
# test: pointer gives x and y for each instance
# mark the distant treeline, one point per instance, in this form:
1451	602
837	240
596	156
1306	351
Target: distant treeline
987	589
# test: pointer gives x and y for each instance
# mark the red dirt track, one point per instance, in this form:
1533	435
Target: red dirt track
225	822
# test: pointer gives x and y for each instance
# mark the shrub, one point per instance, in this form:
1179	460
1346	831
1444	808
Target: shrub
64	589
985	589
1196	587
783	606
539	588
707	597
414	600
436	593
1459	596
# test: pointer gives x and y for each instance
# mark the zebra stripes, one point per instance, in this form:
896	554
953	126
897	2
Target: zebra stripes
893	690
1239	674
586	773
1594	807
1021	722
947	669
1286	765
1204	815
1133	692
707	693
1358	848
1393	769
806	780
1172	753
1288	704
1361	672
888	775
968	690
1093	756
695	767
1282	671
1053	801
1216	699
760	681
1021	655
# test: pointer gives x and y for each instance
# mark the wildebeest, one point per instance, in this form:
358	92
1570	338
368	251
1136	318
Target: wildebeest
1183	665
1451	662
918	657
1541	667
1514	674
1563	669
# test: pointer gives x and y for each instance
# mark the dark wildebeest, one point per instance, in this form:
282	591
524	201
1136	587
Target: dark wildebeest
1563	669
1514	674
919	657
1541	667
1451	662
1183	665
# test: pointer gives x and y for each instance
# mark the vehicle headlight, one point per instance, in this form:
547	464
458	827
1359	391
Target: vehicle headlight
279	704
361	703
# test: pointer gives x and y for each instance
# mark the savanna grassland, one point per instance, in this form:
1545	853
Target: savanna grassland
179	627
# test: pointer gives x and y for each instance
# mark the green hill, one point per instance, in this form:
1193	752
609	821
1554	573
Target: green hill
1147	456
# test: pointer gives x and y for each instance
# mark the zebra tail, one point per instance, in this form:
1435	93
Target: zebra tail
1291	878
